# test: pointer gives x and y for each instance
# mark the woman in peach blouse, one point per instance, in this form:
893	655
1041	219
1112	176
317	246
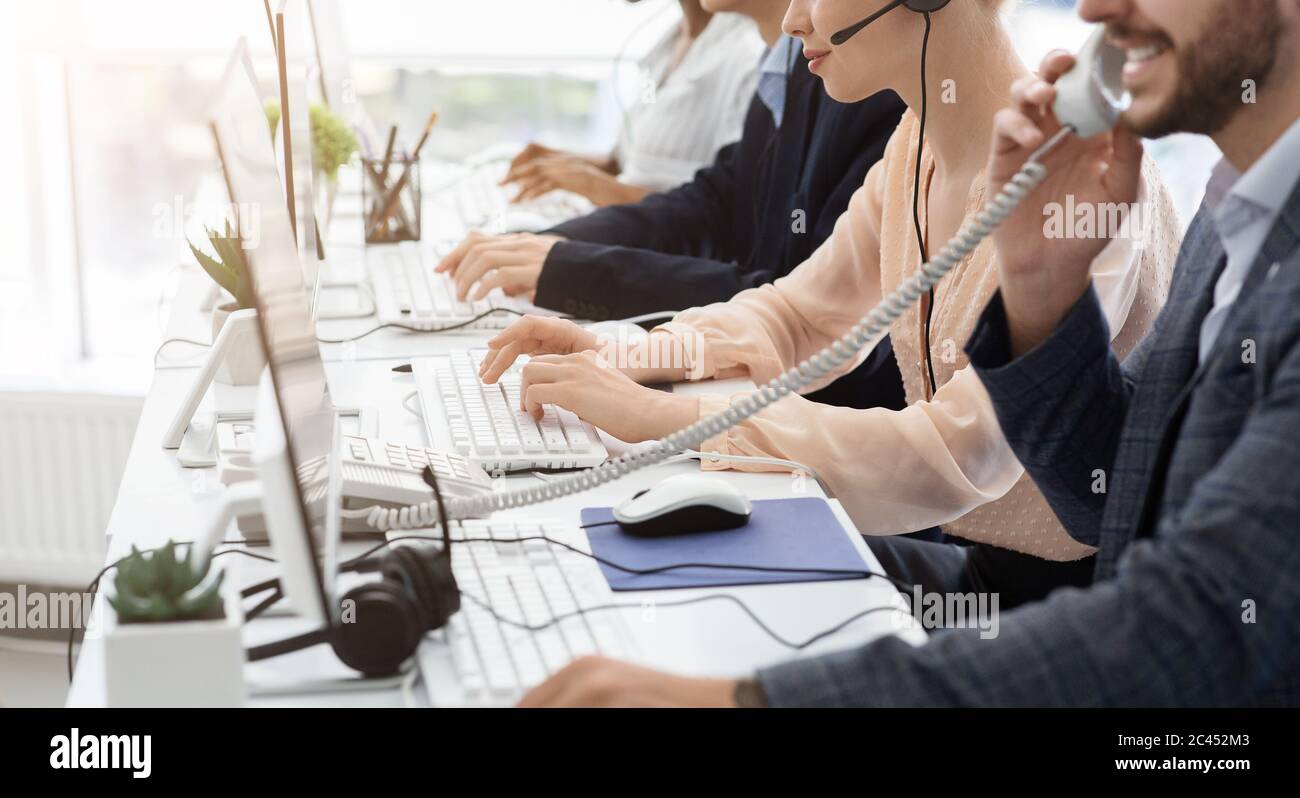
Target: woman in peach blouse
941	461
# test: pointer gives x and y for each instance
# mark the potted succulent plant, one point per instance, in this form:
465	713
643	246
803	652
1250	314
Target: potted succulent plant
172	633
244	359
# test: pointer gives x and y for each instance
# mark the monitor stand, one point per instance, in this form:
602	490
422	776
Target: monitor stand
237	330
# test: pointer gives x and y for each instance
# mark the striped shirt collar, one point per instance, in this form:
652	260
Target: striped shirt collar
774	75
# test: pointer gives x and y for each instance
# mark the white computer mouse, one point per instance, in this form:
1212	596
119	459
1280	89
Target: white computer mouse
683	504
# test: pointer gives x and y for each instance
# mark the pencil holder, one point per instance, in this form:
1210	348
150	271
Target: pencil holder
391	199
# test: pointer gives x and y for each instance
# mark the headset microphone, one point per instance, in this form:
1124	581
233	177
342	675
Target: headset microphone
919	6
924	7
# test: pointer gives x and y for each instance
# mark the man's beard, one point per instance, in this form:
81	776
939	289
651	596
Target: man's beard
1240	43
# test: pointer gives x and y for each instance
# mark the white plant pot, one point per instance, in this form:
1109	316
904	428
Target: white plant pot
177	664
244	360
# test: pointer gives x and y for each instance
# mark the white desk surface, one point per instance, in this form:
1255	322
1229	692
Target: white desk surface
159	499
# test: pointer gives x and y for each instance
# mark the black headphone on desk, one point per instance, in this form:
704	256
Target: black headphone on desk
925	7
416	595
383	621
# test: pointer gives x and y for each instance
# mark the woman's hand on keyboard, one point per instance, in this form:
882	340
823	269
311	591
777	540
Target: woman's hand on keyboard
570	173
602	395
528	154
512	263
533	335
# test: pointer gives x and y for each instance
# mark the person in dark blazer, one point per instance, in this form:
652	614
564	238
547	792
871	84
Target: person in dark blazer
1180	465
763	207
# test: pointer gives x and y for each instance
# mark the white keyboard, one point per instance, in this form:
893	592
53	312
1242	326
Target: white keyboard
477	658
407	291
479	200
485	424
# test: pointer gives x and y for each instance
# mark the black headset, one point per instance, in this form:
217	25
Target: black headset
919	6
384	621
389	617
925	7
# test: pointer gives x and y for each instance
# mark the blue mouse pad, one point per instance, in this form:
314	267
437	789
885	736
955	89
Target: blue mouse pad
783	533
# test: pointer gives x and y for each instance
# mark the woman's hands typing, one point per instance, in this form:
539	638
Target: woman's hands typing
602	395
532	336
567	369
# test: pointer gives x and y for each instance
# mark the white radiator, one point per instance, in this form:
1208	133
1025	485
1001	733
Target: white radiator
61	459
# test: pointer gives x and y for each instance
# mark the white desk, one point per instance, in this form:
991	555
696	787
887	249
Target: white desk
159	499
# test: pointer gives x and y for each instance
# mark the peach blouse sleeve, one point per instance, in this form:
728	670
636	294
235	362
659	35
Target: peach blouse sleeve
895	471
762	331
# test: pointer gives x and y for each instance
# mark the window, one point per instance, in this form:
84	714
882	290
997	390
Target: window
109	144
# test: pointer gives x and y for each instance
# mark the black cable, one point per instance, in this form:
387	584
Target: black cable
414	329
916	199
797	646
447	542
661	569
431	476
264	605
353	562
260	587
658	569
772	633
385	543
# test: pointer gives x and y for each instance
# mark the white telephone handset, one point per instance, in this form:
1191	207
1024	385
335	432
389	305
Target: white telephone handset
1090	101
1091	97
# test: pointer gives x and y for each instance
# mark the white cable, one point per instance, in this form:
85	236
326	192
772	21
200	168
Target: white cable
171	341
616	71
364	312
416	411
843	351
407	688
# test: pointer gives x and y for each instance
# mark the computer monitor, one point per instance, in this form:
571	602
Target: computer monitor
333	62
296	420
308	562
290	35
238	102
334	67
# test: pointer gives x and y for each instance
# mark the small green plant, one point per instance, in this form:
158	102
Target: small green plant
158	587
332	139
230	268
